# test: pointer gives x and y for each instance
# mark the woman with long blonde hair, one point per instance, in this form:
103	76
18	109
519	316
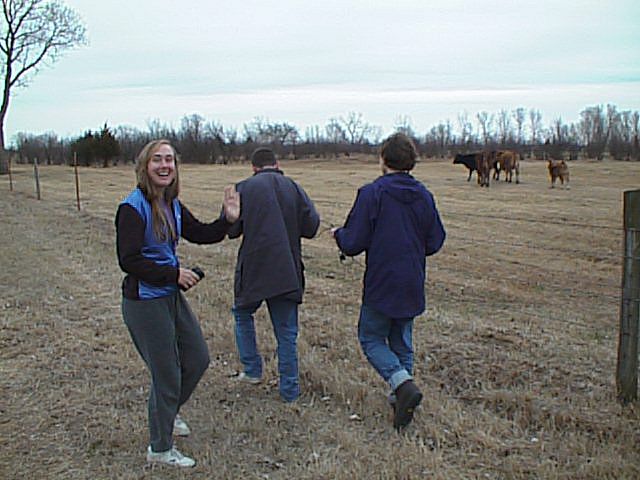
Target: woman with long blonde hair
149	223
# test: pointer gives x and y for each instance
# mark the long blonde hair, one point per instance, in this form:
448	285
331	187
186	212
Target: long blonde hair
163	227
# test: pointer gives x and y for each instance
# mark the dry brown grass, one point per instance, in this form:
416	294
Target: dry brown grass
516	355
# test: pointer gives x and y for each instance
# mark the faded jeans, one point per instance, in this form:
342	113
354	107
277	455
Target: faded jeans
388	345
284	318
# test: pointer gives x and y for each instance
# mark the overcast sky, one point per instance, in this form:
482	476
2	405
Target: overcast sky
304	62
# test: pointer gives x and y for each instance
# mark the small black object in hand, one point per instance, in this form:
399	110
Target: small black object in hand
198	272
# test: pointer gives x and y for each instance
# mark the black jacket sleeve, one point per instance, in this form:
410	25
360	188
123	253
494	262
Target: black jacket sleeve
195	231
129	241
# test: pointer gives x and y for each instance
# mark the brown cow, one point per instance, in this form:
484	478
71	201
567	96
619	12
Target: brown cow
509	161
483	165
558	169
494	164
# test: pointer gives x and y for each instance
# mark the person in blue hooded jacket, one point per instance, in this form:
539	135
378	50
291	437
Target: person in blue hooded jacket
395	221
149	223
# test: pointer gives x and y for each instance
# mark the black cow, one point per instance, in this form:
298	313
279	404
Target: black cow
481	162
468	160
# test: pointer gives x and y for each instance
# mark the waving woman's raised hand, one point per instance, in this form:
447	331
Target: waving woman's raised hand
231	203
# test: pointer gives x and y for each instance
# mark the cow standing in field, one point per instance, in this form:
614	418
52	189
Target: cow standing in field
483	165
468	160
480	162
495	166
509	162
558	169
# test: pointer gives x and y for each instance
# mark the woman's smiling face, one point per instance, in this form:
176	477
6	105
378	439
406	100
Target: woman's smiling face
161	168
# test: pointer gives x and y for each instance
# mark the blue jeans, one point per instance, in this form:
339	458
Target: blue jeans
388	345
284	318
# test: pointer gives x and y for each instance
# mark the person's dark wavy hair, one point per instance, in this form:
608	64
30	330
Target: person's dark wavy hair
399	152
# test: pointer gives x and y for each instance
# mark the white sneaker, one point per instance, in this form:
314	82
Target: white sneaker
180	427
244	378
170	457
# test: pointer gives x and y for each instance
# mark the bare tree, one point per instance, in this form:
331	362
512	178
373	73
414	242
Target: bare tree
403	124
192	127
47	148
157	130
313	134
484	121
279	135
258	131
334	131
355	128
233	143
466	128
336	136
28	146
214	139
53	151
593	128
557	144
131	141
191	142
504	126
519	115
438	140
375	134
621	135
32	34
535	125
558	130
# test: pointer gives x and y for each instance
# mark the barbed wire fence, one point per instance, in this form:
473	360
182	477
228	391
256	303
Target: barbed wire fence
609	292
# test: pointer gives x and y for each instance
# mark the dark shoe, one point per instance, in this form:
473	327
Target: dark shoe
391	399
408	397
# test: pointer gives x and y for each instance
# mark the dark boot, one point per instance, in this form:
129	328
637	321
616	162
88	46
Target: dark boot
408	398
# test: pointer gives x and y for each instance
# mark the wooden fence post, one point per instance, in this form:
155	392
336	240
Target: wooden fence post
627	369
36	176
10	174
75	168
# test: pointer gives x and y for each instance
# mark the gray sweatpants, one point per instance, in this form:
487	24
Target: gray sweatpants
167	335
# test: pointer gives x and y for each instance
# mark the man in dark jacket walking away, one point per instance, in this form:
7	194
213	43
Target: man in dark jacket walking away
275	213
396	222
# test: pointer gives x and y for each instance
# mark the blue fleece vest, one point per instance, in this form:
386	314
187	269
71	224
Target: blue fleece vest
161	252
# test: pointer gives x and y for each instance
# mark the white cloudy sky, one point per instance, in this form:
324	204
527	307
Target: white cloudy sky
305	62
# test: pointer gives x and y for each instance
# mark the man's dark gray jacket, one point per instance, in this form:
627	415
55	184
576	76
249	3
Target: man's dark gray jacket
275	213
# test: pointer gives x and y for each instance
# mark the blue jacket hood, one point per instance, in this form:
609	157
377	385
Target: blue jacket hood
402	187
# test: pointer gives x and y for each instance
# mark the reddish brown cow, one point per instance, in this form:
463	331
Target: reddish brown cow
558	169
509	162
494	164
483	165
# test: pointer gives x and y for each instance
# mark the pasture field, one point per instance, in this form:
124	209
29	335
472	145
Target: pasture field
516	355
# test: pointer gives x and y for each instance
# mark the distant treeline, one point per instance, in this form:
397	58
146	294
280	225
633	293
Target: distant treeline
600	132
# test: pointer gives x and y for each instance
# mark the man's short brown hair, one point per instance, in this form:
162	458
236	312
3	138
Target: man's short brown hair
399	152
263	157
